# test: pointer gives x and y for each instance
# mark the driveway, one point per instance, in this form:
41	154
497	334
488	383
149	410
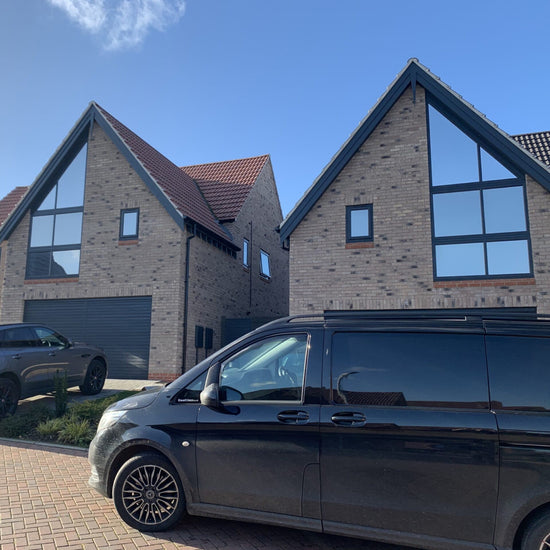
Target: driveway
46	504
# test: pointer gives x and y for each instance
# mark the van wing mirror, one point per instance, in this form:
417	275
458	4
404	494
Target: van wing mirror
210	396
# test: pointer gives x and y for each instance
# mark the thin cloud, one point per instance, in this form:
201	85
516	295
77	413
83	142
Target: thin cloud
123	24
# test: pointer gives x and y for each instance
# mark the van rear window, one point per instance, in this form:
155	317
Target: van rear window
409	369
519	372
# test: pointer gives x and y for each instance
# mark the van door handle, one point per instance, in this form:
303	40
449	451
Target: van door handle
16	356
293	417
51	353
346	418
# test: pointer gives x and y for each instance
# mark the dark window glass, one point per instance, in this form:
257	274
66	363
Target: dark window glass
192	392
129	223
406	369
519	372
49	338
18	337
270	370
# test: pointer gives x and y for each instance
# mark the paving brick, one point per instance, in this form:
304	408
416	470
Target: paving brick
82	519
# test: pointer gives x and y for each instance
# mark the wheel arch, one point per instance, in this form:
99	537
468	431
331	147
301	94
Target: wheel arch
14	378
135	448
542	510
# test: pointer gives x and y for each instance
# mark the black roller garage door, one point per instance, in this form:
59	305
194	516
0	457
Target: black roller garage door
121	326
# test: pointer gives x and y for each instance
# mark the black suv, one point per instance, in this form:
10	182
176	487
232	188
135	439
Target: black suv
424	430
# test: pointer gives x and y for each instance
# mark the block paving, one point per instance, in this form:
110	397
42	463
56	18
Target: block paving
46	504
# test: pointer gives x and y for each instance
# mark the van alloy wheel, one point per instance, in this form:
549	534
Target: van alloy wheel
148	493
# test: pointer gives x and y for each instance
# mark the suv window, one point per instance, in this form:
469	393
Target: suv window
271	369
49	338
17	337
409	369
518	372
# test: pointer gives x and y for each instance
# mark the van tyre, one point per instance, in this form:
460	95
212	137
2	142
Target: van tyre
9	396
537	534
95	378
148	493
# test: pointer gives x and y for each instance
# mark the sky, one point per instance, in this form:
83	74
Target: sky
212	80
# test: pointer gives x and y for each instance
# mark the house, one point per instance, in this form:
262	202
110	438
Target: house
428	205
116	245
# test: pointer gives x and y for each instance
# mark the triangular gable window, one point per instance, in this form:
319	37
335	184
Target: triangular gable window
56	225
479	212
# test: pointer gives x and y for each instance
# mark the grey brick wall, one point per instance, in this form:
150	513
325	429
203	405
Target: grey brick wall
390	170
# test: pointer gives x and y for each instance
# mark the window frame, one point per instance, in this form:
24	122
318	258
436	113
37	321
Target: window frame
480	186
266	276
363	238
246	253
133	236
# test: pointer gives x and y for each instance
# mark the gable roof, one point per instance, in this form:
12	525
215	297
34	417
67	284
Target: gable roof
226	185
537	143
10	201
174	188
495	141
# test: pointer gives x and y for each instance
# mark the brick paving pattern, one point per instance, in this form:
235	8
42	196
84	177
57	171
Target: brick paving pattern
46	504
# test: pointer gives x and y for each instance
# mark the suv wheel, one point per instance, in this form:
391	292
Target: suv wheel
148	494
537	534
95	378
9	396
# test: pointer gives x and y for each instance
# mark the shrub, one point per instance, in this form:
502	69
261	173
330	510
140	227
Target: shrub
76	432
22	424
50	429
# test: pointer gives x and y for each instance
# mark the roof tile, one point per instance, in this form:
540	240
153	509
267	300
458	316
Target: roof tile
226	185
537	143
10	201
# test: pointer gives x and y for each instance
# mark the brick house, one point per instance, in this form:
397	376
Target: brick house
116	245
428	205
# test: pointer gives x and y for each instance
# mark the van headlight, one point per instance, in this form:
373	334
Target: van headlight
109	418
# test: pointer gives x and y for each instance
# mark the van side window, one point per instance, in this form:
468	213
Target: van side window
409	369
191	393
269	370
519	373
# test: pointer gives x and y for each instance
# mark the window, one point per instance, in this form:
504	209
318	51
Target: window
192	392
270	370
49	338
518	373
129	223
17	337
56	226
409	369
359	223
246	261
479	213
265	270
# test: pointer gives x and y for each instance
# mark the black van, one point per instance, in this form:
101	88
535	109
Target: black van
424	430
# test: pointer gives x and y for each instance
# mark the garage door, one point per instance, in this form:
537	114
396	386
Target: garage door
121	326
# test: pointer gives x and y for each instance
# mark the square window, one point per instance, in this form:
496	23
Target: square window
359	223
129	223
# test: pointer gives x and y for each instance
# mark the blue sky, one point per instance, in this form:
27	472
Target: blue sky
211	80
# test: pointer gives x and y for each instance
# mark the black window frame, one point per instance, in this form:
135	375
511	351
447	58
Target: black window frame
266	276
482	238
133	236
246	253
362	238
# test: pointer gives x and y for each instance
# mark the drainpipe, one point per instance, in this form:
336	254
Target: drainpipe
186	296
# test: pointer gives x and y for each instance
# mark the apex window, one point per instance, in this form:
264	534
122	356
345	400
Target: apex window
479	210
129	223
359	223
56	225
